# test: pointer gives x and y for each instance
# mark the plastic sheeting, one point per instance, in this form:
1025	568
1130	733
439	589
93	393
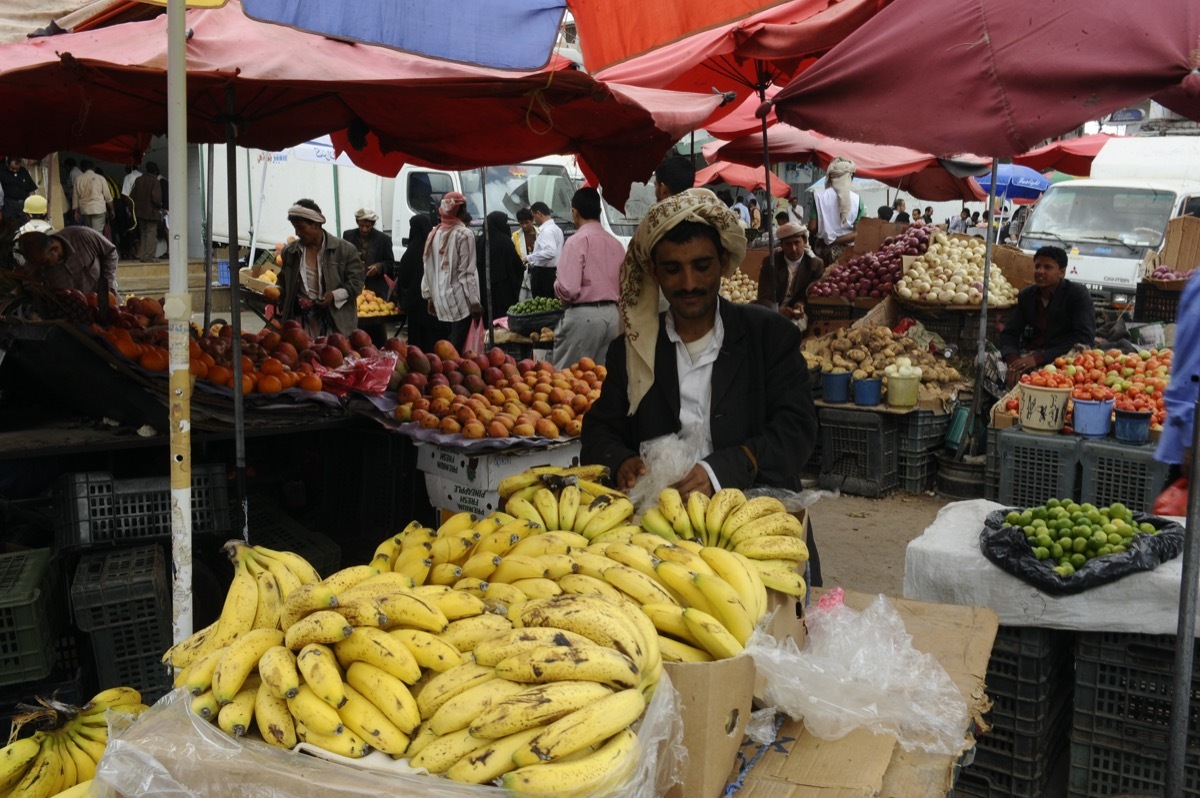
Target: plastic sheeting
946	565
171	753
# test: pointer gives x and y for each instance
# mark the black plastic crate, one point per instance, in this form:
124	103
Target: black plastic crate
93	507
947	326
1123	689
1121	472
1016	766
1034	468
917	471
65	683
1124	767
271	527
131	655
1155	304
29	615
923	431
1029	678
839	311
859	452
119	587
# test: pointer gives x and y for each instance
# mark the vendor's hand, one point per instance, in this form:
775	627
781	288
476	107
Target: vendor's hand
694	480
630	472
429	306
326	300
476	309
1018	367
373	270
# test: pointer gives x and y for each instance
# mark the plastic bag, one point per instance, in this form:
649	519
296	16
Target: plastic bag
860	670
1007	547
476	336
364	374
1173	500
793	500
171	753
667	459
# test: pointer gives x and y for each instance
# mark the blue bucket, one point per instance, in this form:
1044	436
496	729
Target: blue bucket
1093	419
868	392
835	387
1133	426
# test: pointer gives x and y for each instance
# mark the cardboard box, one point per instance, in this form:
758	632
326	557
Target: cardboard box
864	765
885	314
1000	418
465	481
870	233
1181	246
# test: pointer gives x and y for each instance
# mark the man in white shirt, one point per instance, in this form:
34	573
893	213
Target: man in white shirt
132	173
93	198
451	280
795	211
837	212
543	261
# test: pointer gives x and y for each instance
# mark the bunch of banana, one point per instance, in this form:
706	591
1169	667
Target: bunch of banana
546	706
62	760
761	529
585	477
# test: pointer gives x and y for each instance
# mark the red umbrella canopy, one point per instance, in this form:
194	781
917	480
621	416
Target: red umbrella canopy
922	175
92	87
747	177
995	76
774	42
743	120
1070	156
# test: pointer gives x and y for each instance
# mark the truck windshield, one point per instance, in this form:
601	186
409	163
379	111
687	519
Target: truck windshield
1134	217
516	186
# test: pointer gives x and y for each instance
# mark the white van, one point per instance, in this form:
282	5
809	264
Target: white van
1108	222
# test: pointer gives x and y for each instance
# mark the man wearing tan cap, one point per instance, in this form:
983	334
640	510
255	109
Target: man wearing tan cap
374	250
787	272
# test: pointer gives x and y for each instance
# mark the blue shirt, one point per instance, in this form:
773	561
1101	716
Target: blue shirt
1180	396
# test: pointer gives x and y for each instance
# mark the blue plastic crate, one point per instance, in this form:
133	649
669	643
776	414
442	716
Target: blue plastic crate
223	272
1035	468
1121	472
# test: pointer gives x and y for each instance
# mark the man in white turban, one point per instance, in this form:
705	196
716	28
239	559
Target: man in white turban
838	211
732	373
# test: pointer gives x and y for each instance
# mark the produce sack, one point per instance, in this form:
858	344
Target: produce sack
171	753
1007	547
860	670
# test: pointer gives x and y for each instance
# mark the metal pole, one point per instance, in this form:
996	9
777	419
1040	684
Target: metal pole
262	201
1185	643
241	509
987	276
487	258
769	263
208	236
178	309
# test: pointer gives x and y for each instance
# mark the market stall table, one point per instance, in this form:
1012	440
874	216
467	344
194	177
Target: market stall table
800	765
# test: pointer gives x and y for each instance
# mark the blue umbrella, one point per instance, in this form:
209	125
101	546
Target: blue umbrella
1016	182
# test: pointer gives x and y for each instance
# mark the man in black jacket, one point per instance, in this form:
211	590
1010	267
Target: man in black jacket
1051	316
732	373
786	274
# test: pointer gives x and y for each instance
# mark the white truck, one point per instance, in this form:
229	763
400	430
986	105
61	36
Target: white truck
1109	221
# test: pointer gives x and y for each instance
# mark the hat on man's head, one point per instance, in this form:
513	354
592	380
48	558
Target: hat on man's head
35	205
788	230
365	215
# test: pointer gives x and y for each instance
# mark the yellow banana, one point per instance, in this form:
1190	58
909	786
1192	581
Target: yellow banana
788	582
670	504
240	659
538	587
488	762
112	698
85	766
459	712
273	719
442	752
187	651
416	569
475	587
411	555
639	587
714	637
15	759
655	523
684	557
42	777
347	578
524	510
386	553
678	580
546	503
237	614
308	708
676	651
378	585
345	743
362	717
568	505
510	485
490	523
325	626
631	555
516	566
575	663
203	705
600	772
445	573
582	584
772	525
590	616
381	649
446	685
668	621
555	542
320	670
697	506
456	604
389	694
235	716
277	667
285	578
736	570
693	546
622	532
586	726
200	675
727	605
615	514
593	565
774	546
459	522
81	789
491	652
415	535
308	598
499	595
558	565
750	510
480	565
453	548
536	706
586	512
270	605
723	502
466	633
410	610
429	651
301	567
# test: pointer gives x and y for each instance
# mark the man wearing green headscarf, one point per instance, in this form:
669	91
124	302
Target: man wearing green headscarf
732	373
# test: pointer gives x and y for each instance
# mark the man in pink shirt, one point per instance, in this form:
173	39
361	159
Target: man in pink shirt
588	280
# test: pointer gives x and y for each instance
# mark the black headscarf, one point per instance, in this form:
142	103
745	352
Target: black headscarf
412	266
507	270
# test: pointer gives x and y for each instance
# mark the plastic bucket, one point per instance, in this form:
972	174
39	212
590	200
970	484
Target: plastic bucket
1043	410
1132	426
868	392
902	391
835	387
1092	419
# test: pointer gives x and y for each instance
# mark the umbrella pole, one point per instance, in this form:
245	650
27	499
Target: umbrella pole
240	510
487	259
769	263
981	350
178	307
208	237
1185	643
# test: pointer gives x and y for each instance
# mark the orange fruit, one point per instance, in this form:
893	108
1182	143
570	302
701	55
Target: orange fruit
218	374
154	359
311	382
271	366
269	383
127	347
198	368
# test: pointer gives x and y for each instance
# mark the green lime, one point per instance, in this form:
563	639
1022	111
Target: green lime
1078	560
1053	503
1114	539
1013	518
1116	508
1079	545
1118	549
1056	551
1148	527
1104	550
1045	541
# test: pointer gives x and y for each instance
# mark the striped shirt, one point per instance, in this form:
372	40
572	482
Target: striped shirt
451	279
